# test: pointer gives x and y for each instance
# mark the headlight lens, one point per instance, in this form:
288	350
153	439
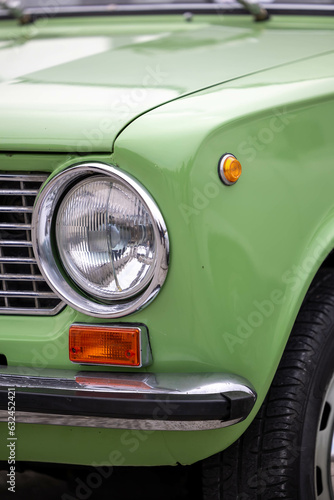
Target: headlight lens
100	240
105	238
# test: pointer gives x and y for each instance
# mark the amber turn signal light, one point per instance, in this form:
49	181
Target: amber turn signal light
105	345
229	169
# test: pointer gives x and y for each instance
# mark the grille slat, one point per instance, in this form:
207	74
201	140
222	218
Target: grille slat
45	295
18	192
21	277
15	243
17	260
24	204
33	311
4	284
14	227
23	177
16	209
23	289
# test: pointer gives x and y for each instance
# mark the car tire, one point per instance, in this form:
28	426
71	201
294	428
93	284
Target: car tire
286	451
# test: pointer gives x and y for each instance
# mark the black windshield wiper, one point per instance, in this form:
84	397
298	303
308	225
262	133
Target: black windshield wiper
259	12
15	9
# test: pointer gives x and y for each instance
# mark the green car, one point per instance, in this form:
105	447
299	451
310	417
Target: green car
166	237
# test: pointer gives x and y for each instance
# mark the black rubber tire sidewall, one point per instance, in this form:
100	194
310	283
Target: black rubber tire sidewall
313	408
275	457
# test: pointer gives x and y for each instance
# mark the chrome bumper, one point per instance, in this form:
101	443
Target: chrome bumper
178	401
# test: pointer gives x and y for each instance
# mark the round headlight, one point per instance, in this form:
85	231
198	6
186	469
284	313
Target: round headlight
100	240
105	238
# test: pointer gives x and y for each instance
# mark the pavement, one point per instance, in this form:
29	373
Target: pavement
59	482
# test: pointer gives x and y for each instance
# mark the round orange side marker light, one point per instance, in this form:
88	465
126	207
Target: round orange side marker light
229	169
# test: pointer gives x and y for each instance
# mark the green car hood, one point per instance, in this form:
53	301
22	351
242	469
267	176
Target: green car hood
73	85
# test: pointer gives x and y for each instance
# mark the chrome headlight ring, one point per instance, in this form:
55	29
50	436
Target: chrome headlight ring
47	255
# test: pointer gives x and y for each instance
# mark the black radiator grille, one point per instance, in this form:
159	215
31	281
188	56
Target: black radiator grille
22	287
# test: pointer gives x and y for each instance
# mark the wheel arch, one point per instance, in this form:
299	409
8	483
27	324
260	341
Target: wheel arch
319	254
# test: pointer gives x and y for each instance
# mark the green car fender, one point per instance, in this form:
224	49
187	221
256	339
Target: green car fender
242	256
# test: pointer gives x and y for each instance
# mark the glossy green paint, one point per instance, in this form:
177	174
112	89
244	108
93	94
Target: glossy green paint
242	257
72	85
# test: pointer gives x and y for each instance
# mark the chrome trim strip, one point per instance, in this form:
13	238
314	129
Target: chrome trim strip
116	423
299	8
33	13
140	387
42	225
23	177
16	210
17	260
22	277
23	294
221	172
8	225
146	383
14	243
19	192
